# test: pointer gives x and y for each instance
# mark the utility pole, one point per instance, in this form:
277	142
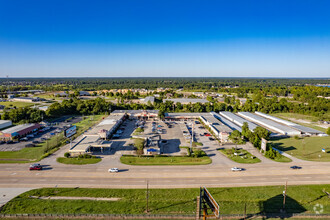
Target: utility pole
284	195
192	137
147	197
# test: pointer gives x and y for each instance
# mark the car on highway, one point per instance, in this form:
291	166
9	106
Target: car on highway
236	169
113	170
296	167
35	166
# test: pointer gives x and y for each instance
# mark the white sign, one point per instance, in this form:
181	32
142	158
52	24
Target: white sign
70	131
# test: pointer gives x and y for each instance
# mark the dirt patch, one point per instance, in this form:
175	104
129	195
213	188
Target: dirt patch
75	198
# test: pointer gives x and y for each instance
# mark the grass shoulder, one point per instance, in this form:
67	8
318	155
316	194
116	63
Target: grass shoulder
164	160
306	148
78	161
232	200
240	155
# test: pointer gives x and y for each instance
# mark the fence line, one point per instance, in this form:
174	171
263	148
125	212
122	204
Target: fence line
155	216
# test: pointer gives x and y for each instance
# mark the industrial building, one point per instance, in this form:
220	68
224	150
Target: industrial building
96	137
187	100
18	131
148	99
219	129
5	123
238	120
304	130
184	115
145	114
225	121
269	124
26	99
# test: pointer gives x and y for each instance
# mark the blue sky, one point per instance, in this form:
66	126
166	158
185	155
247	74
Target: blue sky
213	38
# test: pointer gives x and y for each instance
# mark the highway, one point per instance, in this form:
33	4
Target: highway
97	176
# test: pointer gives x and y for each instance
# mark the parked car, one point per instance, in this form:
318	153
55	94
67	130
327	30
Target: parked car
30	145
10	142
2	142
207	134
236	169
35	142
24	139
296	167
113	170
35	166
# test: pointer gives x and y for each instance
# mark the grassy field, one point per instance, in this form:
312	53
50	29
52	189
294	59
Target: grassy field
18	104
27	155
261	199
287	116
245	157
172	160
307	148
78	161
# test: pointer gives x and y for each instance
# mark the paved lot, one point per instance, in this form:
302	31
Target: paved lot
57	125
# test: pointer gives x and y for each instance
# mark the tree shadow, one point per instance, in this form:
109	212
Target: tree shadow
273	207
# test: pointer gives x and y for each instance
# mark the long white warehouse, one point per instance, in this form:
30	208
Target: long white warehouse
303	129
269	124
238	120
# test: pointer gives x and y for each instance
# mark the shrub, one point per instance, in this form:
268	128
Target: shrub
67	154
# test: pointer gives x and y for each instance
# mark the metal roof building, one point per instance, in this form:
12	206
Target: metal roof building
5	123
19	130
225	121
185	115
272	125
187	100
147	99
238	120
220	127
302	129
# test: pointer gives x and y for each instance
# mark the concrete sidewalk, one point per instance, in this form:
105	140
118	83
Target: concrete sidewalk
7	194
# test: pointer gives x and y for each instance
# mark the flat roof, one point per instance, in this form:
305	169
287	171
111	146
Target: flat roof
186	114
84	143
149	99
5	121
270	124
225	121
238	120
186	100
17	128
217	124
134	111
106	124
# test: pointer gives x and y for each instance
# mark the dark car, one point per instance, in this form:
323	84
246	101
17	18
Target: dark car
10	142
2	142
296	167
35	166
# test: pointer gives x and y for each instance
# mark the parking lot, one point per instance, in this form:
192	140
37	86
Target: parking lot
38	137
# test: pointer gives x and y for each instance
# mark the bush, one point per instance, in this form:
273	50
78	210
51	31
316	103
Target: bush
67	154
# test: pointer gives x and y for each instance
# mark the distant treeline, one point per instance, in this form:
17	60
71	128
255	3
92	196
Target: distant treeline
92	84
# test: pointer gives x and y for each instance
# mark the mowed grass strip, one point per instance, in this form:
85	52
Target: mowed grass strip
171	160
18	104
307	148
243	156
261	199
78	161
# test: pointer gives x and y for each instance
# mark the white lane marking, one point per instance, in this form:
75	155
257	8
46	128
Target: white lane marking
13	174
